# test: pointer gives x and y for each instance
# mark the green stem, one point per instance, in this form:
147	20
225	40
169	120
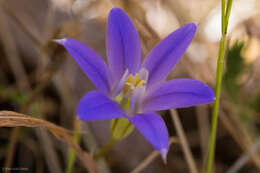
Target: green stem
103	151
228	10
72	155
223	17
219	74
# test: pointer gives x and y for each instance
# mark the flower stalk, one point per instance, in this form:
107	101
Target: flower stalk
221	55
104	150
72	155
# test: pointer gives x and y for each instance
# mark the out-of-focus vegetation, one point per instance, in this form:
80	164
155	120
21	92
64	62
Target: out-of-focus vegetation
38	78
235	67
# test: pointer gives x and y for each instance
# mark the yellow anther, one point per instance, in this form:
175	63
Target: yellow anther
137	80
132	82
141	84
130	79
133	87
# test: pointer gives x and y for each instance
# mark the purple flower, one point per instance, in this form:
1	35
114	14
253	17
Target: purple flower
129	88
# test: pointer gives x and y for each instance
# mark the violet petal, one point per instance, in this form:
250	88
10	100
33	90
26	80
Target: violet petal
163	57
153	128
178	93
89	61
123	44
97	106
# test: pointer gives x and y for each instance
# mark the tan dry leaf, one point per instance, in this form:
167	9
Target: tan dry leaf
14	119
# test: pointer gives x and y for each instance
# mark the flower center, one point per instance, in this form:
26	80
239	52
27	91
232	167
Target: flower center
133	82
131	91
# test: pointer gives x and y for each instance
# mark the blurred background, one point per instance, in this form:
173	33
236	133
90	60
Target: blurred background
38	78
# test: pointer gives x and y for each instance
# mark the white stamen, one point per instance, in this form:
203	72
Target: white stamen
120	84
143	74
136	99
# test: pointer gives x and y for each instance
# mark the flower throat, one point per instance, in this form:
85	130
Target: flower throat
132	90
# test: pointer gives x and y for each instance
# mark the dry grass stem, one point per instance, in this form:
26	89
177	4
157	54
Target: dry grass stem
238	132
184	143
204	128
49	151
151	157
23	26
11	51
19	74
243	160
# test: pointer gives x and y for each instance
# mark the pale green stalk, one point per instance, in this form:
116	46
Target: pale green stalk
72	155
104	150
212	141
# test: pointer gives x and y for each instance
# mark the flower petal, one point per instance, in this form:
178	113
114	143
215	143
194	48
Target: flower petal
153	128
178	93
123	44
163	57
90	62
97	106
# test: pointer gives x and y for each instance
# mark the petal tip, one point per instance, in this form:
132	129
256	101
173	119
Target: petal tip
117	13
60	41
212	94
116	10
193	26
164	153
